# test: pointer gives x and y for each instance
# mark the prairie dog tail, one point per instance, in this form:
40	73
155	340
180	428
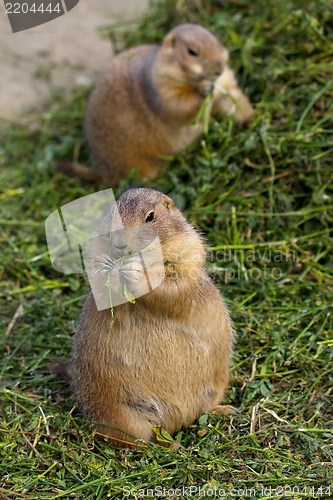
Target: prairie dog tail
63	369
76	170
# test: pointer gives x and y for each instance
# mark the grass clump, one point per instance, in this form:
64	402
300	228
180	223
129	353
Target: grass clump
263	197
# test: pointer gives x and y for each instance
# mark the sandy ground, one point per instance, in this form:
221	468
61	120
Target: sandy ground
65	52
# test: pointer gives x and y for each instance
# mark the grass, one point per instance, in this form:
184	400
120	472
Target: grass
263	197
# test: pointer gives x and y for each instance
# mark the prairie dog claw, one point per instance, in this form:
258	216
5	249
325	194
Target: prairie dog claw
104	264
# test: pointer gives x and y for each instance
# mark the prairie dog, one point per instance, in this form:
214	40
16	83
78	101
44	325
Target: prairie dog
166	359
145	104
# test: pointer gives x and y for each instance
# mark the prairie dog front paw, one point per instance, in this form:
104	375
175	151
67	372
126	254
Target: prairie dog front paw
132	272
105	264
206	87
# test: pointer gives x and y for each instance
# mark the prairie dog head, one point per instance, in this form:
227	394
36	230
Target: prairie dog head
192	55
146	213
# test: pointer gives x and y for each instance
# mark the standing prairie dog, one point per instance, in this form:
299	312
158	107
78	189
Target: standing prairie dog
166	359
144	105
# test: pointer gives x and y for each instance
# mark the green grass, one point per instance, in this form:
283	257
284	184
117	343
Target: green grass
263	197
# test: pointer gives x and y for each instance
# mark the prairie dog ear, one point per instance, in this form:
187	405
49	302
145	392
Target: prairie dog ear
170	40
168	203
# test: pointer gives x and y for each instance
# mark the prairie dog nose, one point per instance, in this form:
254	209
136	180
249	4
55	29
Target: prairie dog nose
119	242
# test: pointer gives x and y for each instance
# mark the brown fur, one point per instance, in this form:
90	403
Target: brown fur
166	360
144	105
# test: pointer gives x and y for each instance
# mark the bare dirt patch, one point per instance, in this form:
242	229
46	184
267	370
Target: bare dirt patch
65	52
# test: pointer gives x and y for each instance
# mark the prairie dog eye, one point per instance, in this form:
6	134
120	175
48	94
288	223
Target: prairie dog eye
192	52
150	217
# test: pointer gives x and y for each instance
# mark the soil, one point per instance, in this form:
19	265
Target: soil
62	53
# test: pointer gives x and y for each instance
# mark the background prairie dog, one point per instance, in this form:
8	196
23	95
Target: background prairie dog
144	105
166	360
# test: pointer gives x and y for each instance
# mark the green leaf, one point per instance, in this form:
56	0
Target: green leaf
162	435
203	419
128	295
